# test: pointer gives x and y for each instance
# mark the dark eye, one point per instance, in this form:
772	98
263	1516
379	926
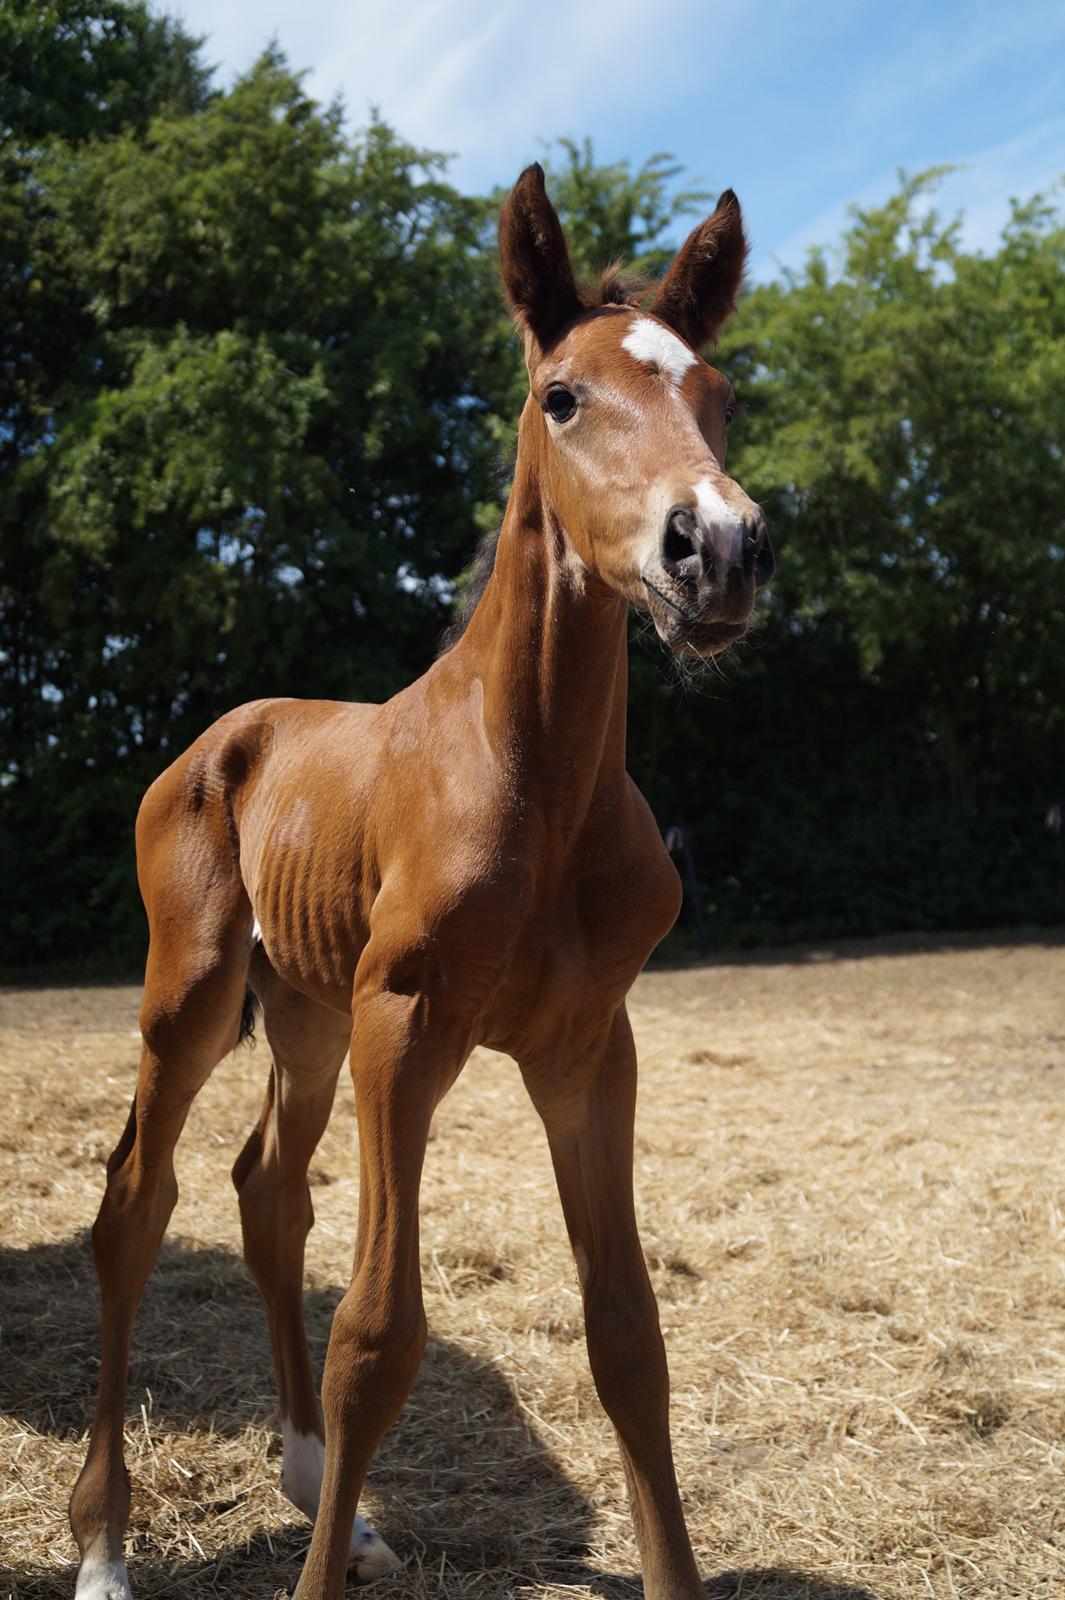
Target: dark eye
730	412
560	404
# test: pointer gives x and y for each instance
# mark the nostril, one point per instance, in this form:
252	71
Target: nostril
681	538
754	541
677	547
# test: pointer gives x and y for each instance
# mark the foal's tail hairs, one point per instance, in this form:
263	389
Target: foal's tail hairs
248	1013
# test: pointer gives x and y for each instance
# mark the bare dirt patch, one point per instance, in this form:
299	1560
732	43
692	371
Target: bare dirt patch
850	1179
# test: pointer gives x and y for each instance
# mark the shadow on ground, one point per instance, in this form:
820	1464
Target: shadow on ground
677	954
467	1489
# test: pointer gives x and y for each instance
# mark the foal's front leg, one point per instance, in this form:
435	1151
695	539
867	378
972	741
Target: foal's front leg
401	1066
588	1108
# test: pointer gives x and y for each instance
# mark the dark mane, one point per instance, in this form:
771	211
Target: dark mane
477	575
613	287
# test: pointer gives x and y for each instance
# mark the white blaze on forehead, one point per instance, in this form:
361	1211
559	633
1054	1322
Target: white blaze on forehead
653	344
715	509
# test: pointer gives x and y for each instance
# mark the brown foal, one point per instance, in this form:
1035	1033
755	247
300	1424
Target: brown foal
467	864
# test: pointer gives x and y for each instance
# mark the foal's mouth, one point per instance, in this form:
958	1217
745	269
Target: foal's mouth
712	638
684	633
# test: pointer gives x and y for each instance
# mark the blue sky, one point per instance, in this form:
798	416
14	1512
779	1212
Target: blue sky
802	108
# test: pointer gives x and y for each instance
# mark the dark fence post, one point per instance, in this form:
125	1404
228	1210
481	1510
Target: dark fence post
678	843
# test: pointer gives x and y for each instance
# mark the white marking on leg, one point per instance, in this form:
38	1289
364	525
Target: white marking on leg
652	343
102	1577
302	1465
256	932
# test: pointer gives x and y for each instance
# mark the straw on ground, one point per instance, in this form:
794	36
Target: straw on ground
850	1176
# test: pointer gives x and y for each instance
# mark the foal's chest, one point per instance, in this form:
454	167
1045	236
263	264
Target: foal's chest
580	951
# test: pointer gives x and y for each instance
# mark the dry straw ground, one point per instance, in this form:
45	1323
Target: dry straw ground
850	1182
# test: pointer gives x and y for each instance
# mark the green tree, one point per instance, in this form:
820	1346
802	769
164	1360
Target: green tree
87	68
262	448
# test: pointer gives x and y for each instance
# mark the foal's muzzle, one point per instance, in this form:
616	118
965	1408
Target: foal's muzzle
702	586
697	553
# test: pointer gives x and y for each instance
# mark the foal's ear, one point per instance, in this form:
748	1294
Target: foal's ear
537	274
699	292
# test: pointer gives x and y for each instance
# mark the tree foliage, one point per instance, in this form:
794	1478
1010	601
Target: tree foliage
250	390
88	68
257	390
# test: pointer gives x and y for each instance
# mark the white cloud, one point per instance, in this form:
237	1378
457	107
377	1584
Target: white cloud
483	79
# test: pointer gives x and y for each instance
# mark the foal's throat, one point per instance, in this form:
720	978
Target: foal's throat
548	641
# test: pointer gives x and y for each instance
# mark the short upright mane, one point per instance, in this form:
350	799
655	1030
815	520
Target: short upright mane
613	287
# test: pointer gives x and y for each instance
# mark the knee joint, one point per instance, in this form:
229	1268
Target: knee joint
274	1217
619	1322
391	1338
132	1201
624	1339
248	1160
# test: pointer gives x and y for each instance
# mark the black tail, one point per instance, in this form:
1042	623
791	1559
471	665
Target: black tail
248	1012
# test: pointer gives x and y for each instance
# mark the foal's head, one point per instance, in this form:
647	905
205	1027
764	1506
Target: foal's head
632	426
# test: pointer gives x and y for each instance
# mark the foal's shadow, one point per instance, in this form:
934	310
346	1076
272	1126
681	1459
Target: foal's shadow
465	1486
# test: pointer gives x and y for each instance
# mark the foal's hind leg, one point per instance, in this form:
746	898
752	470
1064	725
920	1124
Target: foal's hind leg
190	1018
308	1044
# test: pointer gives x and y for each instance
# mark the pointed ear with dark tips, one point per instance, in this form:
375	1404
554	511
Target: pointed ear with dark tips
698	294
534	259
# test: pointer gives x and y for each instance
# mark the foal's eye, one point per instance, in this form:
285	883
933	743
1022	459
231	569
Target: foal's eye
560	404
730	412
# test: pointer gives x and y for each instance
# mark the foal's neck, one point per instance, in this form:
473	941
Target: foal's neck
548	641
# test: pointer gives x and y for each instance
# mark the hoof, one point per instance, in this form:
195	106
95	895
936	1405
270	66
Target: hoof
368	1556
100	1578
301	1482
